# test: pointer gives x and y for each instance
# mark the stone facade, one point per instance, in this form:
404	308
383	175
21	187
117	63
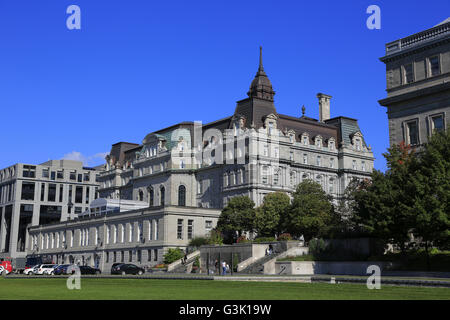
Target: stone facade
418	85
188	172
41	194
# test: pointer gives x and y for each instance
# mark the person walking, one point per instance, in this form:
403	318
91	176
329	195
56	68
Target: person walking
224	268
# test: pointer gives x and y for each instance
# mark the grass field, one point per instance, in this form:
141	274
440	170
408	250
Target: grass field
141	289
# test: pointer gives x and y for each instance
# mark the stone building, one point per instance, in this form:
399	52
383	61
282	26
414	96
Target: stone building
187	173
418	85
54	191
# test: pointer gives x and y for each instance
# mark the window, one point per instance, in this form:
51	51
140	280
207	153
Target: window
182	165
363	166
270	128
156	229
115	233
305	140
29	171
162	192
276	177
27	190
318	161
408	74
122	256
122	233
264	174
437	123
155	255
45	173
53	175
331	186
434	66
61	189
130	256
60	174
130	233
358	144
331	145
208	225
149	255
354	164
87	194
151	196
51	192
181	195
266	150
108	235
331	162
73	175
180	229
80	177
291	155
78	194
190	229
141	195
305	158
412	134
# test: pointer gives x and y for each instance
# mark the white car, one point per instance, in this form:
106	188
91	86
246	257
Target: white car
31	270
45	269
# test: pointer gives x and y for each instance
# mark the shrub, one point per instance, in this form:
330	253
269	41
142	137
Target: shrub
242	239
173	255
285	237
215	237
199	241
264	239
161	265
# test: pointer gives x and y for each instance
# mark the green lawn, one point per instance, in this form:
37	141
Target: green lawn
140	289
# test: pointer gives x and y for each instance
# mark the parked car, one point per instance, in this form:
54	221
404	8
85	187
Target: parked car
45	268
128	268
31	270
62	269
114	267
89	270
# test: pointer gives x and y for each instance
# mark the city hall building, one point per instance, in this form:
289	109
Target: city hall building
182	176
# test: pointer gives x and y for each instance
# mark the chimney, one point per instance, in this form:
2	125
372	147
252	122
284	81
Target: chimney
324	106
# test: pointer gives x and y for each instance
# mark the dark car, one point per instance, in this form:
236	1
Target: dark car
61	269
89	270
128	268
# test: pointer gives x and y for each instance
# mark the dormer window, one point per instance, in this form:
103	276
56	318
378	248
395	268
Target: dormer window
305	139
318	141
358	144
331	144
271	128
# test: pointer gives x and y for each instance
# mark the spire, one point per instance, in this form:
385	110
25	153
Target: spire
261	86
303	110
261	68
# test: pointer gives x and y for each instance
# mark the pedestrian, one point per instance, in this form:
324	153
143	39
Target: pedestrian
224	268
216	266
185	258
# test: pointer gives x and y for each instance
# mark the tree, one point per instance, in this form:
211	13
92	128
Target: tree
173	255
238	216
310	214
268	215
431	183
383	206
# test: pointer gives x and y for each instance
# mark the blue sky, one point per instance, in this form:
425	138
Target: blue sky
138	66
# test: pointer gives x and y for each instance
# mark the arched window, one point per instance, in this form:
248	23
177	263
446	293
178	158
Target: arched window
162	192
151	196
141	195
181	195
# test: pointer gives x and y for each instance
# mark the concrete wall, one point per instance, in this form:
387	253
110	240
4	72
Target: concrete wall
326	267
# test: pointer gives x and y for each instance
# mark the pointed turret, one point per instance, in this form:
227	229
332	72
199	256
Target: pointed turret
261	86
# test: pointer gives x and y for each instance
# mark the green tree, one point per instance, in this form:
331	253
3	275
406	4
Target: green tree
268	215
431	183
238	216
310	214
172	255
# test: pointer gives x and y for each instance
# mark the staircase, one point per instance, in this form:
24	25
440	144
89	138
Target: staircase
178	267
257	267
